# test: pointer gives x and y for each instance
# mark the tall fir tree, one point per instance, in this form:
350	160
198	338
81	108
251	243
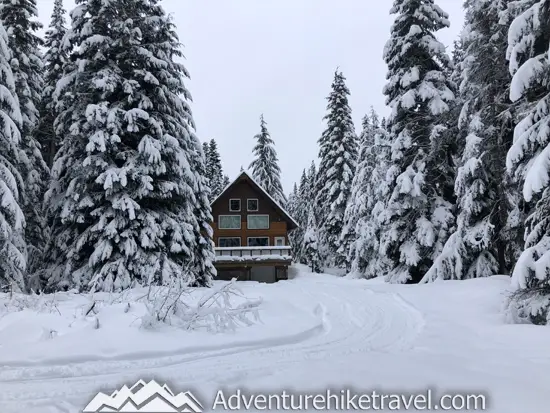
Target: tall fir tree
529	36
292	209
292	200
367	201
310	248
356	202
202	266
226	181
418	213
129	197
298	209
19	18
265	166
13	254
477	247
307	199
206	154
54	60
338	147
215	170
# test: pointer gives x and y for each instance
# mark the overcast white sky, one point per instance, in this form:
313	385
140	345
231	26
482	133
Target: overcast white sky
278	57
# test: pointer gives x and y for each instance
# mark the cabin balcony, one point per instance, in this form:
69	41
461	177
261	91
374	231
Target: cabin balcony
263	264
253	254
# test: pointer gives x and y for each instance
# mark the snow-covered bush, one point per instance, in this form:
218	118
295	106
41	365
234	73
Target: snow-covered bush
529	306
214	312
15	302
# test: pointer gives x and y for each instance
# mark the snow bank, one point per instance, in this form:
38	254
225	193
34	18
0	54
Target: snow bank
317	331
69	327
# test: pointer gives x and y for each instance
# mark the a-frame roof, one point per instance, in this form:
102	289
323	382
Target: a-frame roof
245	176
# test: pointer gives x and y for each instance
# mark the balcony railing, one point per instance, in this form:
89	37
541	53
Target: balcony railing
252	253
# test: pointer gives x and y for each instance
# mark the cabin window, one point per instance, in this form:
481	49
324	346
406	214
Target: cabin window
229	242
252	204
258	221
258	241
235	205
229	222
279	241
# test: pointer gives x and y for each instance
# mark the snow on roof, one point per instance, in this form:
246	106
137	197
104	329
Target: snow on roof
284	211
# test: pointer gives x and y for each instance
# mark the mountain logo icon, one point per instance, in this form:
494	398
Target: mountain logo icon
144	397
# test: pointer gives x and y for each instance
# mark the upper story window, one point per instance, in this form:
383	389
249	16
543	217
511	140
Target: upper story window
257	221
229	222
235	205
252	205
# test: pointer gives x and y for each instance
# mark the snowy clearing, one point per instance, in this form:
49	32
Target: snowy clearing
316	332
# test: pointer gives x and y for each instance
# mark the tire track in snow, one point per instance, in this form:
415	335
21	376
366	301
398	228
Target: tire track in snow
352	320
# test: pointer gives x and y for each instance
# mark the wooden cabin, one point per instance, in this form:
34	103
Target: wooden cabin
251	233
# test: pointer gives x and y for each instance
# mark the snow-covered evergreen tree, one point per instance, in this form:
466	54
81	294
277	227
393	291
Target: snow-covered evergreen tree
226	181
19	20
265	166
215	170
419	91
54	60
477	248
528	55
367	202
311	243
306	203
206	153
202	266
297	204
338	156
12	243
357	202
292	200
292	209
129	197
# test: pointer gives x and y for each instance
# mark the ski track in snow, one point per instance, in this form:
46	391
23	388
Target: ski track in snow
351	319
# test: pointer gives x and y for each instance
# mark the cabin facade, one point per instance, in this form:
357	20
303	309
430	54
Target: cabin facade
250	233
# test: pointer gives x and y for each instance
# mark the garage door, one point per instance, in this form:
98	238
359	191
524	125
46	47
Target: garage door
263	274
228	275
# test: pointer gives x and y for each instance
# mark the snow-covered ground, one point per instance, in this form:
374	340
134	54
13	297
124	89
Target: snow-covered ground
316	332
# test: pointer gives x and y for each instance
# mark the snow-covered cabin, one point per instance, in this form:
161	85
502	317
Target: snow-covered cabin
251	233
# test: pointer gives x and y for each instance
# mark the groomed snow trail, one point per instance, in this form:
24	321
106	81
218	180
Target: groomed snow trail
351	320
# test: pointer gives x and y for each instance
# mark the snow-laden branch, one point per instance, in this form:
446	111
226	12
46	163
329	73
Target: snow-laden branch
214	312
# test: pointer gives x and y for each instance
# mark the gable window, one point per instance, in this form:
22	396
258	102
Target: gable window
258	221
228	242
251	204
235	205
258	241
229	222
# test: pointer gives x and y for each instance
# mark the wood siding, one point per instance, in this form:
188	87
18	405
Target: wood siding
276	229
243	190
